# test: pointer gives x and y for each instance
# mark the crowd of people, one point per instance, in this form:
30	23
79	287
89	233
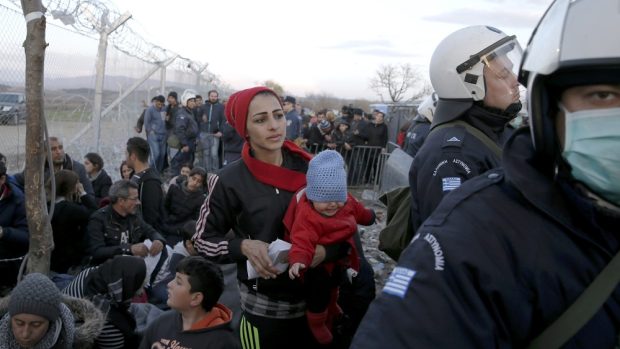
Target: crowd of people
115	239
198	133
515	241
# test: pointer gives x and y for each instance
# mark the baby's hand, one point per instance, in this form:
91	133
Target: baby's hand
293	271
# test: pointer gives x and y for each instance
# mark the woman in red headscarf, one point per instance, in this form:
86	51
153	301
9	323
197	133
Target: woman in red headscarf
250	197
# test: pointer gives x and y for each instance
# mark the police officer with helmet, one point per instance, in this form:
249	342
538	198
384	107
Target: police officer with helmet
473	72
527	255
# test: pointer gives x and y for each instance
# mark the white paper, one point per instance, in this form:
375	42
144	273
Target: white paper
278	252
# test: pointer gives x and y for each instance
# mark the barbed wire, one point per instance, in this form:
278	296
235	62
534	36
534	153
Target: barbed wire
91	17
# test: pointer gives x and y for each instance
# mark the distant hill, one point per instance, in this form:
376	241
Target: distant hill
111	82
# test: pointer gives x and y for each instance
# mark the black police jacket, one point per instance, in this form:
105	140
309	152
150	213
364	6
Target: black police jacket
451	156
416	135
499	260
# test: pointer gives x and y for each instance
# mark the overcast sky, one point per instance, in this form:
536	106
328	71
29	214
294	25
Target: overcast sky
332	46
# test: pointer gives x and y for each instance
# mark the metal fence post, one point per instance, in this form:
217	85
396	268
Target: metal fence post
104	33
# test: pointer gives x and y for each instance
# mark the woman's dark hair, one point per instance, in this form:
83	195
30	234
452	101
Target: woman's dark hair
188	230
204	276
198	171
66	180
95	159
201	172
124	163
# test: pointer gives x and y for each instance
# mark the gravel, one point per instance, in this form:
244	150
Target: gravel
381	263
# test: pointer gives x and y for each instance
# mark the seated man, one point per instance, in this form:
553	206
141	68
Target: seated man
117	230
13	229
197	320
61	161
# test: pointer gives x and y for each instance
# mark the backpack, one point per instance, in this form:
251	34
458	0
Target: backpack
398	232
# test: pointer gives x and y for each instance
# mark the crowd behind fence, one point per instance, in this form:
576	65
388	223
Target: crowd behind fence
69	87
364	164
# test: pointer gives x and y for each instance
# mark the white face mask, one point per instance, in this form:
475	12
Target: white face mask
592	148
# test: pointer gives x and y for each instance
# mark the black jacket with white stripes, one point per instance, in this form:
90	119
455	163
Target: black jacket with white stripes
237	201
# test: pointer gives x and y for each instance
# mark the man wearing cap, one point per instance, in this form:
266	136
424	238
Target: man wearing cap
293	119
186	130
37	317
155	129
210	121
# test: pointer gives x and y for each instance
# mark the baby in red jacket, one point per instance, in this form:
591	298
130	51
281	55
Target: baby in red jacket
323	214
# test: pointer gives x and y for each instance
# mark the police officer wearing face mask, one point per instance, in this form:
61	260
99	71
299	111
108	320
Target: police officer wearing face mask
504	257
473	72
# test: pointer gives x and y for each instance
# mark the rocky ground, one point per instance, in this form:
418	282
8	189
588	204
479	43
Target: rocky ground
380	262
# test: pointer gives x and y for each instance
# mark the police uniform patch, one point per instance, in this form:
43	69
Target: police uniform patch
399	281
450	183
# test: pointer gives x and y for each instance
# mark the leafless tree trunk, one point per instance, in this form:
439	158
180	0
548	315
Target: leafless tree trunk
277	88
41	242
395	80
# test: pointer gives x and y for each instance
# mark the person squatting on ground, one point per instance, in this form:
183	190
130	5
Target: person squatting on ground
37	317
99	178
505	255
14	236
72	210
324	213
60	161
196	320
111	286
182	204
117	230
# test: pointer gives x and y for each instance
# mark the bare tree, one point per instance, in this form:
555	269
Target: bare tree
426	90
396	80
319	101
41	242
277	88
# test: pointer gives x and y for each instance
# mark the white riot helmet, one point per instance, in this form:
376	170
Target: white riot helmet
575	43
427	108
186	96
456	68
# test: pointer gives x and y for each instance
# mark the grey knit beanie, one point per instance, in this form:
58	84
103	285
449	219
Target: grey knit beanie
36	294
326	177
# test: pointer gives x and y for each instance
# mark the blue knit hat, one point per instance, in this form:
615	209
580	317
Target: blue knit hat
326	177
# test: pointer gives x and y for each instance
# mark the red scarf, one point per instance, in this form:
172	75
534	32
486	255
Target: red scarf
279	177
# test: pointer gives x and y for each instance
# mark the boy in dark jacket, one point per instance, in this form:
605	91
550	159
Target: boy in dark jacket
197	320
182	204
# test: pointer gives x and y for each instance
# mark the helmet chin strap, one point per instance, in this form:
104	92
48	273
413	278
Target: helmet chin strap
513	109
508	114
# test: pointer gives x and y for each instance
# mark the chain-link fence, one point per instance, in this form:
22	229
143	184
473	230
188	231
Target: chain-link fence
70	83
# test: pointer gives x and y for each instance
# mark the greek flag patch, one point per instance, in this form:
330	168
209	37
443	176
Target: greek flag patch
399	281
450	183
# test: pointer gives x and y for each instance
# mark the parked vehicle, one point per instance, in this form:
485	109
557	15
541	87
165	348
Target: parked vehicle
12	108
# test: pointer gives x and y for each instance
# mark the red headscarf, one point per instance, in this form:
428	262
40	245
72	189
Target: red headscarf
279	177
